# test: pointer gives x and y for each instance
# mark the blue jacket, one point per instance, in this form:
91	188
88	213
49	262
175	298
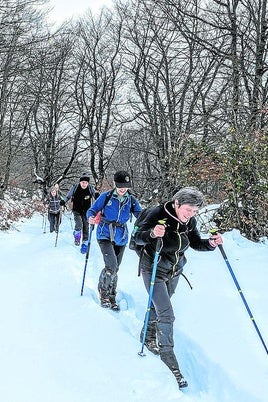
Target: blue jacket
114	216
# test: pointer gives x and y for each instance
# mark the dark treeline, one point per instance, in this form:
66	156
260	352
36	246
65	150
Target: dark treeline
173	91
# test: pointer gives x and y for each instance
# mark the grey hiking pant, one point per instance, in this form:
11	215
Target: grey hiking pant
112	257
81	224
54	221
164	287
161	310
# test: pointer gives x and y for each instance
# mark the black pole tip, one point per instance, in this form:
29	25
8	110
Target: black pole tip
142	354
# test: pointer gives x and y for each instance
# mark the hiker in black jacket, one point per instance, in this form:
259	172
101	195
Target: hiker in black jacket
177	231
81	195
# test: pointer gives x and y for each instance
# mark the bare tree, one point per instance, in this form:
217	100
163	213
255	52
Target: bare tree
236	32
171	76
19	22
98	78
54	128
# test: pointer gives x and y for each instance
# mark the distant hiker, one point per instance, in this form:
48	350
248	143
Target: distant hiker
116	207
177	231
81	195
53	202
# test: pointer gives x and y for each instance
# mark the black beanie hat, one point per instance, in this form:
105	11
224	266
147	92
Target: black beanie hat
84	177
122	179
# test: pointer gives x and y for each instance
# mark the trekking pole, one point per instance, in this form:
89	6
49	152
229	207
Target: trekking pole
213	231
56	240
86	259
71	222
45	224
146	321
58	227
43	221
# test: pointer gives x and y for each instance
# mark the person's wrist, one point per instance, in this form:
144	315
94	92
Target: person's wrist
152	235
212	243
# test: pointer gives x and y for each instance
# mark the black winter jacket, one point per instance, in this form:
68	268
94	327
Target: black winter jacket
178	237
81	198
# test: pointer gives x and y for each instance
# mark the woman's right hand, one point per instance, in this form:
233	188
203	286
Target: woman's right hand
92	220
158	231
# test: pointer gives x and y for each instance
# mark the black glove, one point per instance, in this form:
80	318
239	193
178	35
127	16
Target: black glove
62	203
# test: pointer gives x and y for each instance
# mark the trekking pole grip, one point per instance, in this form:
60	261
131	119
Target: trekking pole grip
159	239
215	231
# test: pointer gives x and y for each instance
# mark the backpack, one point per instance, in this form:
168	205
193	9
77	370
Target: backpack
132	242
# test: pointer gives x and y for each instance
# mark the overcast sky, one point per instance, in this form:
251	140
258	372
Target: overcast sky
64	9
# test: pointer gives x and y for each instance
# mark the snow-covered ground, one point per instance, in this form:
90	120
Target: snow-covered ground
58	346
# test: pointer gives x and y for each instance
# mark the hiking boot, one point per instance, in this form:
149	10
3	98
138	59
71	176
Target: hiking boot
152	346
114	306
77	237
182	383
83	249
104	299
169	358
105	302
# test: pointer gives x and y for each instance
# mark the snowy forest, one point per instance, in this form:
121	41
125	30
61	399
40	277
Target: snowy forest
174	91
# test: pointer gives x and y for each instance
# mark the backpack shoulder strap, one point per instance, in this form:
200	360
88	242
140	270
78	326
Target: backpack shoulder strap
73	190
133	202
132	207
107	198
91	190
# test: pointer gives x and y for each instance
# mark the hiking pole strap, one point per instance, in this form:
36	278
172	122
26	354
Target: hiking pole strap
111	231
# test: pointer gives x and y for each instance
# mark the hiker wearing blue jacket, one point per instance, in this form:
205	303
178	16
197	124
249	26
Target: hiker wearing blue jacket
111	211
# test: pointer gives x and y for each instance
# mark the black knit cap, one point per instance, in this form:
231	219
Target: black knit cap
122	179
84	177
